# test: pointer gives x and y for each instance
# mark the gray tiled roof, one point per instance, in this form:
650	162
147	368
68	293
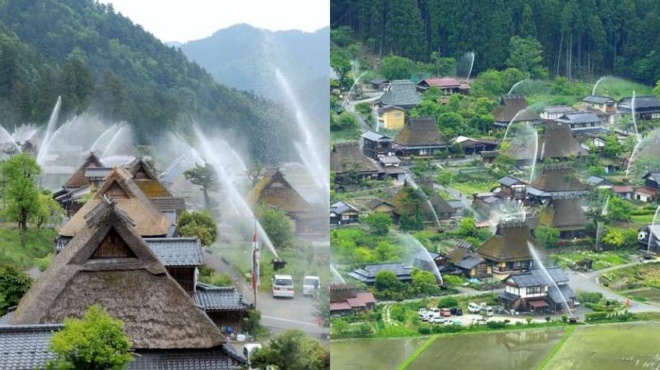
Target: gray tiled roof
213	298
368	273
566	291
341	207
536	277
374	136
26	346
177	251
170	251
597	99
401	93
509	180
579	117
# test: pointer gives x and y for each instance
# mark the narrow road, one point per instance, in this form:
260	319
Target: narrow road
350	107
588	282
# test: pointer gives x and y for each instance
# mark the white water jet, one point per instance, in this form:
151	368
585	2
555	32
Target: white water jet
655	216
105	133
632	108
374	114
50	131
538	261
6	137
24	133
470	55
215	159
515	85
599	231
410	241
423	196
337	274
112	141
348	94
506	132
310	151
632	156
535	137
593	91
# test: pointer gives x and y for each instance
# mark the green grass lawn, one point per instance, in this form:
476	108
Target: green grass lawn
345	135
39	244
600	260
469	188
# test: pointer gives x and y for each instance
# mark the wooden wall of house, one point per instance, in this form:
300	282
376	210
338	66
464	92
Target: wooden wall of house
232	318
113	246
185	276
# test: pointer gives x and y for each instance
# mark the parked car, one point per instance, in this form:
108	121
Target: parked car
445	312
311	285
456	311
487	311
480	321
248	350
283	286
437	320
473	307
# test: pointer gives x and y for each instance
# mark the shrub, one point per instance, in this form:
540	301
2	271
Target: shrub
424	330
447	302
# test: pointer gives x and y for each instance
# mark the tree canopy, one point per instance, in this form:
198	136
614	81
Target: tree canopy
292	350
95	342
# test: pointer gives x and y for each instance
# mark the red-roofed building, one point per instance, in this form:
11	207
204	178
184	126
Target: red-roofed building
645	194
448	85
345	300
623	191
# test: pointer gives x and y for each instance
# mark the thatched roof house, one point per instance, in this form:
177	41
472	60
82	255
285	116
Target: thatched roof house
107	263
153	189
556	142
558	179
407	200
514	106
566	215
78	179
508	249
347	157
273	190
420	137
120	187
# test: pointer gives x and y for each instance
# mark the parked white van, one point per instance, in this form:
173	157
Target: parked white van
473	307
311	284
249	349
283	286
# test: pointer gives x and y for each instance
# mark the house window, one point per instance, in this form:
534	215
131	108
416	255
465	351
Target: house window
423	152
533	290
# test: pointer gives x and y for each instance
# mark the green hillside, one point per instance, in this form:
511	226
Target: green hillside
95	58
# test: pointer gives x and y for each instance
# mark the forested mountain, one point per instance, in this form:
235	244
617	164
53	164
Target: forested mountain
579	37
95	58
245	57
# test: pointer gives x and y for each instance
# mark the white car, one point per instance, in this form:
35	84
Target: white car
283	286
311	284
437	320
249	349
473	307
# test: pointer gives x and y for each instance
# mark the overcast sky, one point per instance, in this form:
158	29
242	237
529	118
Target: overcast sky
177	20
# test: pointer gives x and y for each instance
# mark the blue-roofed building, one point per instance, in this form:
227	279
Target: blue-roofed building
532	291
367	274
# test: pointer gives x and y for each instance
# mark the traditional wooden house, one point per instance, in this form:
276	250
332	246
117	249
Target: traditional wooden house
646	107
342	213
652	180
472	146
107	263
391	117
379	84
420	137
402	94
350	165
509	249
648	238
345	300
381	206
154	190
390	168
582	122
274	191
645	194
512	188
556	143
557	179
599	183
367	274
376	145
555	111
465	258
446	85
623	191
77	186
532	291
408	202
120	187
602	103
514	106
566	215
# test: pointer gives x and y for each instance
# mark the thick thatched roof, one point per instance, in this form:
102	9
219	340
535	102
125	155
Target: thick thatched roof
407	200
510	105
130	199
146	180
273	190
556	141
78	179
420	131
558	177
564	214
346	157
510	243
107	263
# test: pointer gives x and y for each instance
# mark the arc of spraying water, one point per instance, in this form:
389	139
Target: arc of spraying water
549	278
655	216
